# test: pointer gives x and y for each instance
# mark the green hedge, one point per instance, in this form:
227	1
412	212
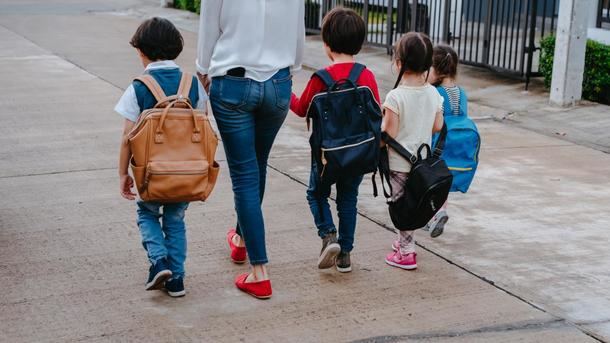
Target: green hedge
596	80
189	5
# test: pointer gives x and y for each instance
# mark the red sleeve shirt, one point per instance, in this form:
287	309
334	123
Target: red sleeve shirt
315	85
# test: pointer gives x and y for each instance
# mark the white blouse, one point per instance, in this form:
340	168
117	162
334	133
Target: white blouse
262	36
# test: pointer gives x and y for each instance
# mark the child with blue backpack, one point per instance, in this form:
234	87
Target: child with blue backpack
343	33
463	142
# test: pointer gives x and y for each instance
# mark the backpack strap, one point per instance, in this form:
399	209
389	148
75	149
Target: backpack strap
447	111
325	77
399	148
185	86
440	143
354	74
153	86
383	168
463	102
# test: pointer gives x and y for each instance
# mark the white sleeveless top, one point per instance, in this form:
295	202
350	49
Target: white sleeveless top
416	108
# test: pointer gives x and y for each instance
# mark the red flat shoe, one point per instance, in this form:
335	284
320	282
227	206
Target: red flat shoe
238	254
258	289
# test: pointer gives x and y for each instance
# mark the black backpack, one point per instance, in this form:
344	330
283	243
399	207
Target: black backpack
426	189
346	130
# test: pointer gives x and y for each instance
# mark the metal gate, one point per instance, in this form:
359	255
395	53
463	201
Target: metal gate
502	35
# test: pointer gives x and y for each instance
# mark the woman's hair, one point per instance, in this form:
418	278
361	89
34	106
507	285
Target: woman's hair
414	52
445	61
158	39
344	31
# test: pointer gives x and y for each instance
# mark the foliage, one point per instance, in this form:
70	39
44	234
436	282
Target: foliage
189	5
596	79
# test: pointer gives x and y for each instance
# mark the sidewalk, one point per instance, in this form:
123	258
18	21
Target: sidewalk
70	252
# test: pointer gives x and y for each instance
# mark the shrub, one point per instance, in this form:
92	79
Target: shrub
189	5
596	79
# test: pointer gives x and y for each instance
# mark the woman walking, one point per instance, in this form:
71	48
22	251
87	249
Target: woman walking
247	50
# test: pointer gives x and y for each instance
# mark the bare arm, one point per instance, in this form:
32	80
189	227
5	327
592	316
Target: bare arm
390	122
126	182
438	122
209	32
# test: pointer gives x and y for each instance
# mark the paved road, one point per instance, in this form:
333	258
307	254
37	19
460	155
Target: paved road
70	253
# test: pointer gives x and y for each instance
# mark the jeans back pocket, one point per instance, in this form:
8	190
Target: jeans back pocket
230	91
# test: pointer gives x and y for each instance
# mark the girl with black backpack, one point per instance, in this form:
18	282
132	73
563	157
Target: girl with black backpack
413	112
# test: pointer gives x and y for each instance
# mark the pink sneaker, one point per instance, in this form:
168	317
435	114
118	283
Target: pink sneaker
396	259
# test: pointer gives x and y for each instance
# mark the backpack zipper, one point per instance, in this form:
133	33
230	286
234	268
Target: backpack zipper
348	145
324	161
459	169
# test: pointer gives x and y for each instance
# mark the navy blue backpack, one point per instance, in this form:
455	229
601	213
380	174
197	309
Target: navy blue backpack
346	130
461	152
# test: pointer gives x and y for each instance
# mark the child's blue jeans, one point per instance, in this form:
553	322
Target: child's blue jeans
164	233
347	199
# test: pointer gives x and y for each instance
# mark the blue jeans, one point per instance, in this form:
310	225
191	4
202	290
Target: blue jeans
165	239
347	199
249	115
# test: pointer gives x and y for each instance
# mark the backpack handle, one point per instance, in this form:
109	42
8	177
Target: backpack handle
422	147
196	136
336	84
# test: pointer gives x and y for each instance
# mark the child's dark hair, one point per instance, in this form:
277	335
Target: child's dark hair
343	30
445	61
414	52
158	39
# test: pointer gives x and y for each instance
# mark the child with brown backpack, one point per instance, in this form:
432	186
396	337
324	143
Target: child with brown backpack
170	146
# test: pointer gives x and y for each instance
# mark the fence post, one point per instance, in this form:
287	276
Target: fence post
389	27
446	22
532	44
600	8
365	16
414	15
487	33
570	48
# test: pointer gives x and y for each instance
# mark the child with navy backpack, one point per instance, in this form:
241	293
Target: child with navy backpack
462	143
344	158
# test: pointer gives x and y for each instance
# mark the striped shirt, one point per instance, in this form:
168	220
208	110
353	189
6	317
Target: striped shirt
454	98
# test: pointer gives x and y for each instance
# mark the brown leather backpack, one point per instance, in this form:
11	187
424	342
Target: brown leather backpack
173	147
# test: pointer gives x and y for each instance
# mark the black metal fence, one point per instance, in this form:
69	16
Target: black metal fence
503	35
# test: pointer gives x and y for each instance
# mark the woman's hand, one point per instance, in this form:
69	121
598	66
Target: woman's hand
205	81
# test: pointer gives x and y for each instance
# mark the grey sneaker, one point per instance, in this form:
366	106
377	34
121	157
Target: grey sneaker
330	249
436	226
344	265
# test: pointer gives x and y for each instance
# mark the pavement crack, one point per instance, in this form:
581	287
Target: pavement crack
57	172
519	326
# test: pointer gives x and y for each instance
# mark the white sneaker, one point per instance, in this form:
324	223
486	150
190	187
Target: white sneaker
436	226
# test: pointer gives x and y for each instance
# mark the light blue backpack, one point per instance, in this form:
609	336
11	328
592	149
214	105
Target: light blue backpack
462	144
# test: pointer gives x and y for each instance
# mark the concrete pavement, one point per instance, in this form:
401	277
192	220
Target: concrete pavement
70	250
